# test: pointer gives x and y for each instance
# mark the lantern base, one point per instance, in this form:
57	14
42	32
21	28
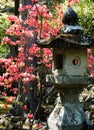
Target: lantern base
68	114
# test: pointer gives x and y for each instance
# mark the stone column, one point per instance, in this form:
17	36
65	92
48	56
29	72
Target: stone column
68	113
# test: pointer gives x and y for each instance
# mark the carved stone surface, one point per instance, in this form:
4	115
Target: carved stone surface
68	113
72	29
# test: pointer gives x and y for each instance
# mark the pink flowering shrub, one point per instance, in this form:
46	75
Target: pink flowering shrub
46	25
90	61
16	69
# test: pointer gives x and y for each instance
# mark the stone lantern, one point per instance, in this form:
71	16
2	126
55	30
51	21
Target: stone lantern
69	74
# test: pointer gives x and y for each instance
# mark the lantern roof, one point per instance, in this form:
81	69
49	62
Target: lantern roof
71	35
68	40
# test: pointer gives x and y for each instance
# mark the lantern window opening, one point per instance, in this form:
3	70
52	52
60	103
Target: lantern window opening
59	61
76	61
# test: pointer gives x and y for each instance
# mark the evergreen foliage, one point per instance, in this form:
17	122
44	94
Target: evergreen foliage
6	8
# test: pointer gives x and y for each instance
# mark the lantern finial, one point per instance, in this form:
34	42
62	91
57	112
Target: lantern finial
70	20
70	17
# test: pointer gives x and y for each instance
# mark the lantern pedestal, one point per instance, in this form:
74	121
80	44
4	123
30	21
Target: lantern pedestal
68	113
69	73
